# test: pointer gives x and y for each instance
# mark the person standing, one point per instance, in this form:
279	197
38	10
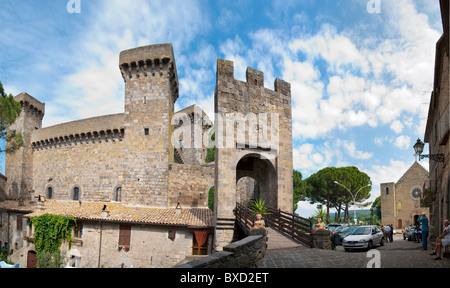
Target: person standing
387	232
424	221
391	233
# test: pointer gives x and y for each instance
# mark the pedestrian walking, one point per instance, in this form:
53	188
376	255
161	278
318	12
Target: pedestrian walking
442	241
424	221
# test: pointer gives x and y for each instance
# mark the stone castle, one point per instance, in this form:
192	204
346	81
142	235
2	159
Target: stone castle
153	186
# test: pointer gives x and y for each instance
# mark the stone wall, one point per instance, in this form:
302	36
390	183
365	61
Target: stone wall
95	168
240	254
189	184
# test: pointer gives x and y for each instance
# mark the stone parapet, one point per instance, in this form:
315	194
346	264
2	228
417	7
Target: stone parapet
241	254
321	239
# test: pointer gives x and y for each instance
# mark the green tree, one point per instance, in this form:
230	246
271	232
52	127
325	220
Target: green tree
210	155
321	188
375	210
9	110
300	188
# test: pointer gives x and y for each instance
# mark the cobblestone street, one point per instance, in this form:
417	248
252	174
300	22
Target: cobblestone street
398	254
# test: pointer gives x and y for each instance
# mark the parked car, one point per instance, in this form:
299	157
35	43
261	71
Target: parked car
408	233
338	237
332	227
364	237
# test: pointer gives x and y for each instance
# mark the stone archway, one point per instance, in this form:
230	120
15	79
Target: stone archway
256	167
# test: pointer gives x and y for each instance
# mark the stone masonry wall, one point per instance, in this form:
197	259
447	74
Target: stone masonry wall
189	184
240	254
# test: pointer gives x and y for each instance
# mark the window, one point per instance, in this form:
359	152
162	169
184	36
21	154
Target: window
19	222
117	194
387	190
200	243
124	235
146	131
78	230
76	193
49	193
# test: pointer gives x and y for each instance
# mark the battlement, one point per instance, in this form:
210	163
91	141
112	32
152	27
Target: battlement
96	129
30	103
254	78
150	61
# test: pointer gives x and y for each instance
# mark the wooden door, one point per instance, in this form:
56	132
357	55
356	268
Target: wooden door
399	224
32	259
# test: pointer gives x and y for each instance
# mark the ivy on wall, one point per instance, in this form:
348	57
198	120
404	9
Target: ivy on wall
51	230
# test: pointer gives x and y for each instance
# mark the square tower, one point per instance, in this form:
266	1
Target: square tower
19	165
151	89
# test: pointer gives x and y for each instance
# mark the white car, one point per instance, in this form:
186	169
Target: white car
365	237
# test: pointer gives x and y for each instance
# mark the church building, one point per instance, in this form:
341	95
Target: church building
400	201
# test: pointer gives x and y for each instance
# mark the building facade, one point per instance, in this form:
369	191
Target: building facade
156	191
400	201
437	132
138	179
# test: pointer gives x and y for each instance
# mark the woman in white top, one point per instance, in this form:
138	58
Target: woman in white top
442	241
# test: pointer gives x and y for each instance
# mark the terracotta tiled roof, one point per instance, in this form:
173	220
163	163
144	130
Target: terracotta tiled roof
14	206
190	217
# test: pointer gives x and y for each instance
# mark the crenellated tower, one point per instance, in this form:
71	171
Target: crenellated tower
151	89
253	139
19	165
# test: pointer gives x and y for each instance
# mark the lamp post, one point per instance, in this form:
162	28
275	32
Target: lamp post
353	195
418	148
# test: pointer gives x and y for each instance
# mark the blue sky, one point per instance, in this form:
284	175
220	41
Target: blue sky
361	82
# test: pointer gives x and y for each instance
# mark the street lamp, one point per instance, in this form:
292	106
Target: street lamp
418	148
353	195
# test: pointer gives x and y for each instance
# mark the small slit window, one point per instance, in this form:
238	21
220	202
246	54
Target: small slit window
49	193
146	131
76	193
118	194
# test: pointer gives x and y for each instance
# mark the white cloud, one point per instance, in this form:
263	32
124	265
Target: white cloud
397	126
95	86
351	151
403	142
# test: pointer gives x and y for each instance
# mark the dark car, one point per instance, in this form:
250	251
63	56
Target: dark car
338	237
332	227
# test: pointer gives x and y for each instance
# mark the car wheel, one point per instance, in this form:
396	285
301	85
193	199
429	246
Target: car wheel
382	242
369	246
346	249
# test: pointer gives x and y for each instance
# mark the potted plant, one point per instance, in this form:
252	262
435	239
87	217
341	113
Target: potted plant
260	206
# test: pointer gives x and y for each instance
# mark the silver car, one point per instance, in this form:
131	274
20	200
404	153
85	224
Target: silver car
365	237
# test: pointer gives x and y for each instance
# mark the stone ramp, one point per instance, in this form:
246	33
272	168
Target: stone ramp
277	240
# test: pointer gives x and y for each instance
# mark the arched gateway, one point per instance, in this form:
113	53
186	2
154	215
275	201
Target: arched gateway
253	139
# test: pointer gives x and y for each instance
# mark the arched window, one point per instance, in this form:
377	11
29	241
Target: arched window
49	192
76	193
387	190
117	194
